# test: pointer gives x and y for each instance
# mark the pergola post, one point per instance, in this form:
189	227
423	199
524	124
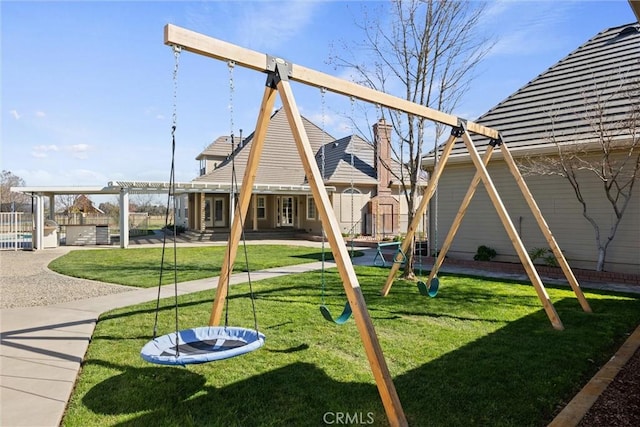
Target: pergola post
37	237
124	217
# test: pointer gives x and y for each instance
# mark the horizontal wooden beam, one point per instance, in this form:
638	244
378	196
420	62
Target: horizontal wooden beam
208	46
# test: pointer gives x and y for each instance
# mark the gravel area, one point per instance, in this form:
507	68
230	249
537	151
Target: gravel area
25	281
619	404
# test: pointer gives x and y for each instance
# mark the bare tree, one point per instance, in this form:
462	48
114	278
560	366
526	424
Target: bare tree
10	199
64	203
424	51
110	209
148	202
610	152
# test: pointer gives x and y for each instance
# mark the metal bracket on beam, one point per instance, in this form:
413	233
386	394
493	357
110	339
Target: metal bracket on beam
496	142
457	131
279	66
278	69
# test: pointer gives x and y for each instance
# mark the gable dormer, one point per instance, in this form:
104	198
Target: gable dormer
217	152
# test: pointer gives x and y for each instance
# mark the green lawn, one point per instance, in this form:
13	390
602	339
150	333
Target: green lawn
140	267
481	353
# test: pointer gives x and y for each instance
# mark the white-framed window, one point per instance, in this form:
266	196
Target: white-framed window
312	212
261	207
351	191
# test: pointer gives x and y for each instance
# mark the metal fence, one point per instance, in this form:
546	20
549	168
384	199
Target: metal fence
16	230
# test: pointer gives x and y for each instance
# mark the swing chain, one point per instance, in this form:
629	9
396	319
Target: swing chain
323	91
174	115
171	193
230	68
231	65
352	100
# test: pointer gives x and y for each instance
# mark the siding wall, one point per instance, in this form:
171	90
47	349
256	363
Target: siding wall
559	207
342	203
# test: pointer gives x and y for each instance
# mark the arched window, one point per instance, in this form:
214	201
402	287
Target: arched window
351	191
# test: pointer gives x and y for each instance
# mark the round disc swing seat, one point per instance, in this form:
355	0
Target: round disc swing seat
201	345
207	343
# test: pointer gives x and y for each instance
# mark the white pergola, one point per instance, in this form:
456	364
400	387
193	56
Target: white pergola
123	189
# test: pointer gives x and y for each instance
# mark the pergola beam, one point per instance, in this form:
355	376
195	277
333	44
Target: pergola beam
218	49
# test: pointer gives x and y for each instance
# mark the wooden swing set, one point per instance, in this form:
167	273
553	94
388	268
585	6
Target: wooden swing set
279	75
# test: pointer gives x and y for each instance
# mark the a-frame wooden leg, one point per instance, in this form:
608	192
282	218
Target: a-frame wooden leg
422	208
257	143
513	234
459	216
544	227
387	390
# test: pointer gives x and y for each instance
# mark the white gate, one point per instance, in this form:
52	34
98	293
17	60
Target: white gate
16	230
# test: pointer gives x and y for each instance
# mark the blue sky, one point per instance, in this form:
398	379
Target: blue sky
86	89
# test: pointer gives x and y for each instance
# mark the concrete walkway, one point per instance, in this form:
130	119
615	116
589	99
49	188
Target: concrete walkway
43	347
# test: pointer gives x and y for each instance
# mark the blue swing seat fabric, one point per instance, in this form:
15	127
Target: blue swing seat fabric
432	290
201	345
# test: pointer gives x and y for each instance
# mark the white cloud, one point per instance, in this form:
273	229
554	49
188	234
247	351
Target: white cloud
40	114
79	151
37	177
42	151
528	27
83	177
276	22
39	154
50	147
15	114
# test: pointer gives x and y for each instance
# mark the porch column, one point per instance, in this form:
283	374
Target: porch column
124	217
191	211
254	202
202	226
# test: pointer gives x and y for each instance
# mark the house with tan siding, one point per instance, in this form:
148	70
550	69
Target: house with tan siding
555	109
363	194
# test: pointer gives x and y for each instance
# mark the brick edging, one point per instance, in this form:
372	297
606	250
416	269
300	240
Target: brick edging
543	270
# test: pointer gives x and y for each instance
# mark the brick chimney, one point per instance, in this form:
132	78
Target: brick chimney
382	154
383	206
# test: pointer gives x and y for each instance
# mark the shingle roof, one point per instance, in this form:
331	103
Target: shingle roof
555	99
338	167
220	148
279	163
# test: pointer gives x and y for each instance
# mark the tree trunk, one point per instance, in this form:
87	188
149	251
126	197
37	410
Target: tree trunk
602	254
408	272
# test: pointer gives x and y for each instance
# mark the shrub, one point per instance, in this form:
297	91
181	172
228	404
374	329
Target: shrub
545	255
484	253
179	228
